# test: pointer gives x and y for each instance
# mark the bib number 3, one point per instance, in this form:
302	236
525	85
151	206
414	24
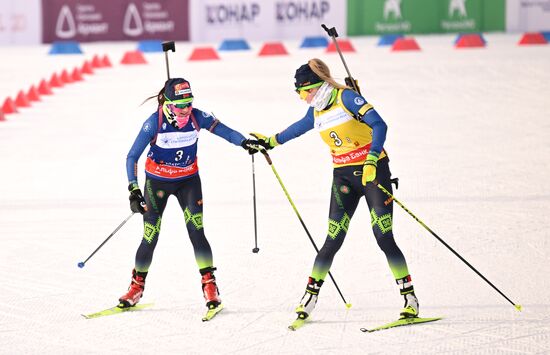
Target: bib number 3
337	140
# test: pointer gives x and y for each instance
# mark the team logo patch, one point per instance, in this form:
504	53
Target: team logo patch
344	189
160	194
358	101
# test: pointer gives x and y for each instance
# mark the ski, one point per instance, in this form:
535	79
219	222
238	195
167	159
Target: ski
400	323
117	310
298	323
211	313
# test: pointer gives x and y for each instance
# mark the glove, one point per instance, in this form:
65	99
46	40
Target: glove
137	202
349	82
266	142
369	168
252	146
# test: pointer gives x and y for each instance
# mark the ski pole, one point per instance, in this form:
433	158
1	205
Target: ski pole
82	263
268	158
333	34
168	46
517	306
256	249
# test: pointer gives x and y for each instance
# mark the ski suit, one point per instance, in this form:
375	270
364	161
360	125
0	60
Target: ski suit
171	169
352	128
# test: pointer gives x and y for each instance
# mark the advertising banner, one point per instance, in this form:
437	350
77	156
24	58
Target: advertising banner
107	20
528	15
215	20
20	22
424	16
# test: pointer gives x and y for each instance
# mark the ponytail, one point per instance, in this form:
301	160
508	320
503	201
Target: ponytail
160	97
321	69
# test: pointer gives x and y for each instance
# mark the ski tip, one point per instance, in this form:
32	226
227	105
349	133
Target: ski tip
348	305
519	307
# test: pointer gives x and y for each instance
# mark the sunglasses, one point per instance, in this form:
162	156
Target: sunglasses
180	104
305	90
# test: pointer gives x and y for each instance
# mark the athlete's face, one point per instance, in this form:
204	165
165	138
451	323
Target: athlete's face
182	112
308	95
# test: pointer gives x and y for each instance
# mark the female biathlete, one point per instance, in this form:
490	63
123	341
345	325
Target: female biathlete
355	134
171	169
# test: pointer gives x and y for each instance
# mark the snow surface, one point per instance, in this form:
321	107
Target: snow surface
468	138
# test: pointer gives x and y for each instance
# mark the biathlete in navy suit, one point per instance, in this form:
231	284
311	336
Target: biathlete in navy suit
171	169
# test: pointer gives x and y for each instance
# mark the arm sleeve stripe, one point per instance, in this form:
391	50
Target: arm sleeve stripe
214	124
366	108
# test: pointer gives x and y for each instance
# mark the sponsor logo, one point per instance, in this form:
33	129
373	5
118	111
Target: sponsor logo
351	157
331	119
359	101
169	171
151	20
232	13
458	17
174	140
132	25
392	7
65	19
182	88
393	19
458	6
87	21
289	11
205	114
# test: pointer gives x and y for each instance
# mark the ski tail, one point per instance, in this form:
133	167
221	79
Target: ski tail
400	323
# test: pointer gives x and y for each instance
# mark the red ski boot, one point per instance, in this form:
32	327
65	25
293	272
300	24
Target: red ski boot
209	288
135	291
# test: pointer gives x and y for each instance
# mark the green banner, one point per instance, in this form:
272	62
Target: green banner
424	16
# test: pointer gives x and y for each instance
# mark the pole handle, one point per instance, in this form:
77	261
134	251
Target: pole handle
330	31
168	46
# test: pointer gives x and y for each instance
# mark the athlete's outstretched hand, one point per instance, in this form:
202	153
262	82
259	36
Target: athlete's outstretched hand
252	146
369	168
266	142
137	202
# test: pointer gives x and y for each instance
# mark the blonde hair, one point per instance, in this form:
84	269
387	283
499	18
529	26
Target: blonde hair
321	69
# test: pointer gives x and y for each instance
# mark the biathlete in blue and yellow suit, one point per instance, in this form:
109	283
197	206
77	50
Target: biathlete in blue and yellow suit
355	134
171	169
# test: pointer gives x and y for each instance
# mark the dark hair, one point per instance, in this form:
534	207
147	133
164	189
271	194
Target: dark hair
160	97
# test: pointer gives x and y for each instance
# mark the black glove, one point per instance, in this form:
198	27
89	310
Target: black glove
253	146
137	202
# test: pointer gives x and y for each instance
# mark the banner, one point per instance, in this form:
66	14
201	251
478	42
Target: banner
528	15
20	22
107	20
424	16
215	20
